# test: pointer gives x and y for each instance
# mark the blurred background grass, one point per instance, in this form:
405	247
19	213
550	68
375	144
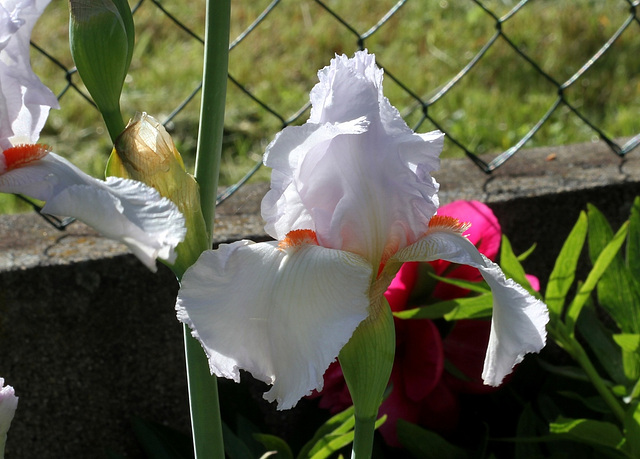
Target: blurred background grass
424	45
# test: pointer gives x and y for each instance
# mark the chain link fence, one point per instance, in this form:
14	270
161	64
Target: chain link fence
504	41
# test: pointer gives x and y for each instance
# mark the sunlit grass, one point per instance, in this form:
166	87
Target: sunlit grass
424	45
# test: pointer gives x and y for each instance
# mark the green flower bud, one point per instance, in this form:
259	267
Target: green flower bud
366	361
145	152
101	36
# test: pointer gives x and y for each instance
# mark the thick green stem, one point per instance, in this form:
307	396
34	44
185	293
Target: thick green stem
206	424
214	90
114	122
363	439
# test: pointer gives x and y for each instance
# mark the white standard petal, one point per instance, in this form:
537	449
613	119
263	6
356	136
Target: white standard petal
125	210
519	320
282	315
24	100
367	191
8	405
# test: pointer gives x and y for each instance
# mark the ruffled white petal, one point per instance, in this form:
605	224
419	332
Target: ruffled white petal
125	210
24	100
519	319
8	405
355	174
281	315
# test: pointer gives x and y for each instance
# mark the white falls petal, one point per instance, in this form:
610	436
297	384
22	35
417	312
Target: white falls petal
8	405
367	190
519	319
24	100
282	315
125	210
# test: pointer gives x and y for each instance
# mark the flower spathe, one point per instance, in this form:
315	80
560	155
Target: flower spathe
8	405
356	181
24	100
121	209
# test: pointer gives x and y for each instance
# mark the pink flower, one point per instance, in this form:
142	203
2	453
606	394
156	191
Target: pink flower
423	392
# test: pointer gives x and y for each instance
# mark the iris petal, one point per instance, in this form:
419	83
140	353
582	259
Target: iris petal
120	209
355	173
282	315
24	100
519	319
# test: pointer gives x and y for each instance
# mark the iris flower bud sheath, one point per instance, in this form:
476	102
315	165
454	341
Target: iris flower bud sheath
145	152
101	36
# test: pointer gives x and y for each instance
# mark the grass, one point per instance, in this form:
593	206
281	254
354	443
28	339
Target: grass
424	45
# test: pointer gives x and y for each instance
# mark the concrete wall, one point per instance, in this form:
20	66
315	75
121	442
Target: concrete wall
89	339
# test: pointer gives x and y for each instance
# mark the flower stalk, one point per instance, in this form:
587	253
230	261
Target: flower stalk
206	424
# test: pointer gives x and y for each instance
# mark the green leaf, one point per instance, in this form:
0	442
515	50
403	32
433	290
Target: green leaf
529	425
332	443
618	291
275	444
632	430
633	242
564	270
602	344
596	404
512	268
426	444
599	268
565	371
339	424
629	342
474	307
234	447
525	255
588	431
630	345
478	287
161	442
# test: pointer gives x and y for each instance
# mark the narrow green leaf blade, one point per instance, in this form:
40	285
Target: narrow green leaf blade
427	444
512	267
632	430
337	424
602	344
474	307
633	242
478	287
161	442
275	444
588	431
564	270
599	267
618	292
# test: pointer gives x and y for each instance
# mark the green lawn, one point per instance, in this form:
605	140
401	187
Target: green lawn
424	45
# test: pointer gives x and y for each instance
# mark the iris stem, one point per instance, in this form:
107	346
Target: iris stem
206	424
214	90
363	438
